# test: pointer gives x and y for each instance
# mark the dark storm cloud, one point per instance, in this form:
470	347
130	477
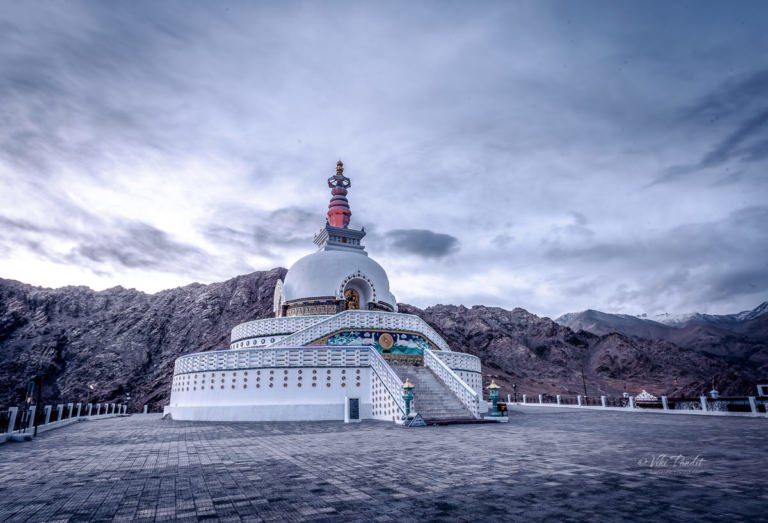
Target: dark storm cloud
19	225
733	97
422	242
264	233
130	244
18	234
139	245
746	143
81	91
704	262
738	111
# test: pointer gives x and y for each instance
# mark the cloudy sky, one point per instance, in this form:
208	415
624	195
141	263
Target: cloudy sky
553	156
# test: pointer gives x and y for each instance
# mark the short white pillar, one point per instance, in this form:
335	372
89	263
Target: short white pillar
79	409
48	410
602	401
664	403
558	399
753	405
703	400
525	399
125	409
32	411
88	409
578	399
112	408
98	409
59	411
509	398
631	402
70	408
145	408
12	413
541	400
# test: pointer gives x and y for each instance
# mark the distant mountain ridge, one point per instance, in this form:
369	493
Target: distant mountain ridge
741	335
659	326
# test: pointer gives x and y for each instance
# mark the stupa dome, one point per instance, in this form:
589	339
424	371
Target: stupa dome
328	273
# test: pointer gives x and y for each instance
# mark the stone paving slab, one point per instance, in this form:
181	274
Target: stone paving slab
545	465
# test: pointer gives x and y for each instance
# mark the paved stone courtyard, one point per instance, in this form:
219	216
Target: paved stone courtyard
545	465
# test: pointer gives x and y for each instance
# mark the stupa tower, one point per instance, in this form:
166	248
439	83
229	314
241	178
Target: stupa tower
339	212
336	235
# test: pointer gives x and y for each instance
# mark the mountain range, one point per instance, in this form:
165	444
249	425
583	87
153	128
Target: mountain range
740	336
124	342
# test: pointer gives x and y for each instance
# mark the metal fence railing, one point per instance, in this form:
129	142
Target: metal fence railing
732	404
25	418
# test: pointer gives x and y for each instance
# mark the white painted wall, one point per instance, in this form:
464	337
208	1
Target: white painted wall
306	393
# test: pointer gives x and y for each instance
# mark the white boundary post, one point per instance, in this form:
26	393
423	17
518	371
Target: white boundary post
12	413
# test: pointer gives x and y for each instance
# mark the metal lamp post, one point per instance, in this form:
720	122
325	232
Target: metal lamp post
493	395
408	396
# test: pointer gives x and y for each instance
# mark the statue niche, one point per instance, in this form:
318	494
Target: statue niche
352	298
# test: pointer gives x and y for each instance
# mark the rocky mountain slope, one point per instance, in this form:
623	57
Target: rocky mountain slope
124	341
541	356
120	340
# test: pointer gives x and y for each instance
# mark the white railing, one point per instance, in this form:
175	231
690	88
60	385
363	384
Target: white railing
460	361
364	320
274	357
464	392
273	326
388	378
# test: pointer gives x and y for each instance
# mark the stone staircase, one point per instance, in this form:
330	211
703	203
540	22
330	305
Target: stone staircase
431	397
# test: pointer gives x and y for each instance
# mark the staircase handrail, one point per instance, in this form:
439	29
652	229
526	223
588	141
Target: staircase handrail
388	377
464	392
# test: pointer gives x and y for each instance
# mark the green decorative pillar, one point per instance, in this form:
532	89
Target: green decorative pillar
493	395
408	396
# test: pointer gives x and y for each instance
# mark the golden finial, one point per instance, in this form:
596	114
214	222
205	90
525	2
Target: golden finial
408	385
493	385
339	168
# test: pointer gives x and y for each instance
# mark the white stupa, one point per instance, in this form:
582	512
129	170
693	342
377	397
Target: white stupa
337	349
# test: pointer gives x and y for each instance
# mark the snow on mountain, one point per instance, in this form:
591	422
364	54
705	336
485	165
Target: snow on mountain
713	320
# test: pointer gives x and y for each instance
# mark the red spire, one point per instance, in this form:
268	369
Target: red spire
338	209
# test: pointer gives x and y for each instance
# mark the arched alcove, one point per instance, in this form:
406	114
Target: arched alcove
357	289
